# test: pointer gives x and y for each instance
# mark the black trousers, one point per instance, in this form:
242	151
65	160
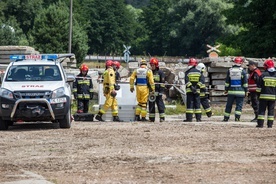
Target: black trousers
83	105
161	108
269	105
205	104
254	97
193	106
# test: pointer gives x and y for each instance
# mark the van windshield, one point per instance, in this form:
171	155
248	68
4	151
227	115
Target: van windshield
33	73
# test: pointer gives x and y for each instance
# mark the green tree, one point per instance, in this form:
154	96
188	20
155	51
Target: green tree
257	20
195	23
137	3
156	22
111	26
51	29
11	33
140	34
24	12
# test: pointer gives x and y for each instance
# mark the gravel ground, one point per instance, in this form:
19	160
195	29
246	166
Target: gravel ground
130	152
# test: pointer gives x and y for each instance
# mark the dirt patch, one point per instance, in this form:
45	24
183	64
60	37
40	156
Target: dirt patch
170	152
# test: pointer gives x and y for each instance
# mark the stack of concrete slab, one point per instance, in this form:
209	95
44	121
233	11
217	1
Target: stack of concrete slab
6	51
217	70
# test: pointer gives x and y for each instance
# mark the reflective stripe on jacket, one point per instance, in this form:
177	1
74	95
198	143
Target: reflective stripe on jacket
267	83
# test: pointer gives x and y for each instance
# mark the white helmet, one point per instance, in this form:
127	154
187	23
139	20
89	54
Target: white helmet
201	67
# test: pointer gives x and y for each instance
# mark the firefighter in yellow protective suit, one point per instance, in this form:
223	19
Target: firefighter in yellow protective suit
144	85
109	78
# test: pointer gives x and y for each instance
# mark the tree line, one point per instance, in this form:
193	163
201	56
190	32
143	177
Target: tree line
151	27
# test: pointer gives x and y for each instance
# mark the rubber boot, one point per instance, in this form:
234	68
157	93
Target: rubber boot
116	119
260	125
237	118
144	119
162	119
189	117
99	117
269	124
209	114
225	119
198	117
137	118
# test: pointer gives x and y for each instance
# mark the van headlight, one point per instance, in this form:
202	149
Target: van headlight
58	92
6	93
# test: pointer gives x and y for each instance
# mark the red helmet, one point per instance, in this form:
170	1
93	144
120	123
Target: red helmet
84	68
192	62
268	64
108	63
117	64
154	61
238	60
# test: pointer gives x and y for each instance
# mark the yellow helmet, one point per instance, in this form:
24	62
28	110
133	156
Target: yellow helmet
143	62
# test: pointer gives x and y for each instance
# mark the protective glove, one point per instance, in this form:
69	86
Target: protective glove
246	94
113	93
117	87
193	89
225	93
131	90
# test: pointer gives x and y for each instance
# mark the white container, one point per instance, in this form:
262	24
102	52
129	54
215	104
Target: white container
126	103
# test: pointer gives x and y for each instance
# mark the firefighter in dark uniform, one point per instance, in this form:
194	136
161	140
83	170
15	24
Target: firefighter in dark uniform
253	79
83	89
194	82
236	89
267	85
159	80
203	98
116	67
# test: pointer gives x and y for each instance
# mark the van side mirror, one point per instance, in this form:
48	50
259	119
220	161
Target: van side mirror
70	77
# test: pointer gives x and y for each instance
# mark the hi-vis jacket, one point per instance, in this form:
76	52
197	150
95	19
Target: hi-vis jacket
159	78
194	80
143	76
236	81
253	79
83	87
267	84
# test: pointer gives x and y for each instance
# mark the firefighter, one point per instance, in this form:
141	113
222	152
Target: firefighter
83	89
194	83
236	88
267	86
253	80
144	85
109	93
116	67
203	98
159	80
